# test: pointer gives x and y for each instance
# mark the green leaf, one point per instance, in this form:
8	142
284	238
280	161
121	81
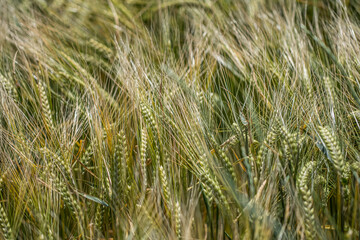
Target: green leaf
94	199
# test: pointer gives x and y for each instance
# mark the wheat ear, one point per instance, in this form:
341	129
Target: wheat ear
334	149
5	225
143	157
9	87
224	158
178	220
211	184
101	48
46	107
165	186
85	159
304	177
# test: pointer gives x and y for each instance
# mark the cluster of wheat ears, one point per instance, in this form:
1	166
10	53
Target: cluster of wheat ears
179	119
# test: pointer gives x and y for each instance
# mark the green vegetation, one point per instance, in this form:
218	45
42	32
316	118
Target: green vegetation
179	119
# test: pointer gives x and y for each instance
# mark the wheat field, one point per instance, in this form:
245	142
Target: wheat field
179	119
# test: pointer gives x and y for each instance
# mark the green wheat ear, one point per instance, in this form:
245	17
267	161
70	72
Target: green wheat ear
124	155
67	196
224	158
143	158
120	165
4	221
211	184
330	91
264	149
308	86
101	48
334	150
149	119
5	225
99	215
59	161
178	219
356	166
269	140
165	186
9	87
85	159
321	184
230	142
304	178
291	145
46	107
